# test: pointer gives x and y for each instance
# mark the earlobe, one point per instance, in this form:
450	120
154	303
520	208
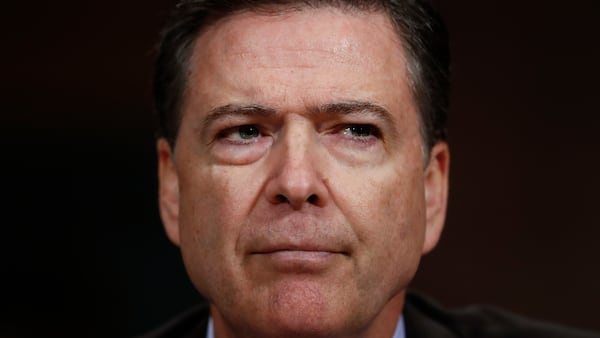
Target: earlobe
168	191
436	194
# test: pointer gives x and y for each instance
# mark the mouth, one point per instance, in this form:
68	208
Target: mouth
300	254
299	259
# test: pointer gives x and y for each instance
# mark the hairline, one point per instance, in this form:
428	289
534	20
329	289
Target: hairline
412	64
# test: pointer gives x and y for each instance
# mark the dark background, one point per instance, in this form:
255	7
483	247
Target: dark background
82	251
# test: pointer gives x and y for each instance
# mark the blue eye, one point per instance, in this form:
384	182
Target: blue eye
360	130
248	132
241	134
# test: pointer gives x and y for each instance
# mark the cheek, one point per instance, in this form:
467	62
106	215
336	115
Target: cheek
382	199
214	202
386	211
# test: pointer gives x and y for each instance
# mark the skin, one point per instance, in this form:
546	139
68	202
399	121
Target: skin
299	191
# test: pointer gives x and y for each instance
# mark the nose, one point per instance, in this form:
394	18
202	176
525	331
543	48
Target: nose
297	176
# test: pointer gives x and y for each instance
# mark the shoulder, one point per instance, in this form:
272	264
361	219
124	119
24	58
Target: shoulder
424	318
191	323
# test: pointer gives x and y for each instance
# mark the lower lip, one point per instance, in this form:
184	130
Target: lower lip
300	261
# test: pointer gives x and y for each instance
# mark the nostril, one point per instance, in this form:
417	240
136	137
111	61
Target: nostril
282	198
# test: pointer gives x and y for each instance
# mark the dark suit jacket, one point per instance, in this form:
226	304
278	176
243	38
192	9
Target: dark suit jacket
422	318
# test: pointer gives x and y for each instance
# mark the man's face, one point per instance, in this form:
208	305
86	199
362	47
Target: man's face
299	191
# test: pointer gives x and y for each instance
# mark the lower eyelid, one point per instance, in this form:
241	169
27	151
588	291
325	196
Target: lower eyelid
362	140
239	141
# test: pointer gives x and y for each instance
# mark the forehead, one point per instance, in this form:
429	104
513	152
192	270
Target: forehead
314	55
332	30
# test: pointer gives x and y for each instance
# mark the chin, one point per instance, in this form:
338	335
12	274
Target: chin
308	325
301	309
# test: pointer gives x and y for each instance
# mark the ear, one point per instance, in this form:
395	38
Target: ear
436	194
168	190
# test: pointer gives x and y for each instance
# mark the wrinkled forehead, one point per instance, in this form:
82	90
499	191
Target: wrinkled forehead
352	33
286	9
324	50
302	38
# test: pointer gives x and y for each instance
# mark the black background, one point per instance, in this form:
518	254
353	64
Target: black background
82	250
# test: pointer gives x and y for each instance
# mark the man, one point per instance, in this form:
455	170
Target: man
303	167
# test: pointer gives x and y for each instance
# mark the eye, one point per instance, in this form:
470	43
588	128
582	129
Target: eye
241	134
248	132
360	130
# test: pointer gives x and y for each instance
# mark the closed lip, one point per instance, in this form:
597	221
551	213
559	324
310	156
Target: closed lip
297	248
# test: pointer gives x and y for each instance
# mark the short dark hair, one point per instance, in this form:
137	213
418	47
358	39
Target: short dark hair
420	28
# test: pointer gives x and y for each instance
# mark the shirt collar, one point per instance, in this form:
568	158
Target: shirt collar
400	332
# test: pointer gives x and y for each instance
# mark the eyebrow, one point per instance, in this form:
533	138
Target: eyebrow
232	110
338	108
355	108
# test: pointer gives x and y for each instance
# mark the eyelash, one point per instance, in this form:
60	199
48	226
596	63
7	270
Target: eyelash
360	128
346	130
226	134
